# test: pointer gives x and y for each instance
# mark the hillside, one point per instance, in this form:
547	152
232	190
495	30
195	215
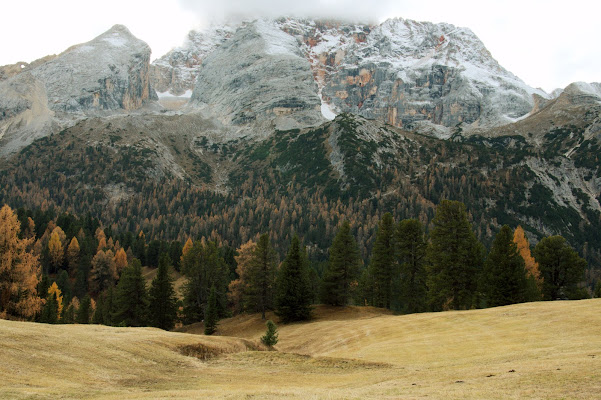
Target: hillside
535	350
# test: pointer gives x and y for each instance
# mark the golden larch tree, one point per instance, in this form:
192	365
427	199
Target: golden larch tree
19	270
73	256
520	239
52	290
238	287
120	260
186	248
55	248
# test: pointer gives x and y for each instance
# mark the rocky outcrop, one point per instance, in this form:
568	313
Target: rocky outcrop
259	75
175	72
110	72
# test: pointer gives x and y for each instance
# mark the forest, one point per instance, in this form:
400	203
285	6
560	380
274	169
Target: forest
69	269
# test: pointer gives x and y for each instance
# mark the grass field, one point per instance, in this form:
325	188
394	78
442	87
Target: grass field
546	350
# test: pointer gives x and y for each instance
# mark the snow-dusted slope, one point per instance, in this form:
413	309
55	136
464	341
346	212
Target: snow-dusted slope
404	72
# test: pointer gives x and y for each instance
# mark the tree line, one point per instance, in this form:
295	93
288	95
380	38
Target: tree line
73	270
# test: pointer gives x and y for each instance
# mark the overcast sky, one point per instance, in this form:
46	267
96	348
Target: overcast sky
548	44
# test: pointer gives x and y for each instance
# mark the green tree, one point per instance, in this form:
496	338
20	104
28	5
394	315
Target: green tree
342	269
383	267
261	276
163	302
204	267
293	298
211	317
411	250
561	268
98	317
271	335
504	276
84	310
108	303
131	297
50	311
455	257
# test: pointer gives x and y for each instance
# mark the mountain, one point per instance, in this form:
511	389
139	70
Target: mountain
409	74
295	125
108	73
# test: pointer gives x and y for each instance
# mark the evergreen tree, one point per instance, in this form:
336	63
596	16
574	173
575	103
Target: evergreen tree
204	267
271	335
342	269
211	316
412	247
455	257
50	311
163	302
64	284
261	276
383	266
84	310
98	317
293	298
108	306
131	297
175	253
69	314
561	268
504	275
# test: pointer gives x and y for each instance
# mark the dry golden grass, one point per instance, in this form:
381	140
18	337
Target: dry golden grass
538	350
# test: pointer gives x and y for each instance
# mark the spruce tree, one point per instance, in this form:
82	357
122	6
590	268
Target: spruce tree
342	270
108	306
412	247
84	310
455	257
293	300
211	316
131	297
561	268
163	302
261	276
383	266
50	310
98	317
504	275
271	335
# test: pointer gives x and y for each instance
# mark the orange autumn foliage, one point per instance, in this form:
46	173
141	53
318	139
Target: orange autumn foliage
520	239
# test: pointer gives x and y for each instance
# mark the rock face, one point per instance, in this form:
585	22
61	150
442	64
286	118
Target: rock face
259	75
175	72
109	73
407	73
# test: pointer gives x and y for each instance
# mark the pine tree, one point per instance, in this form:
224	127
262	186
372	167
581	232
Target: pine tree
163	302
271	335
50	311
504	275
84	310
19	270
204	267
108	306
412	247
456	258
293	298
261	276
98	317
211	316
383	267
561	268
131	297
343	268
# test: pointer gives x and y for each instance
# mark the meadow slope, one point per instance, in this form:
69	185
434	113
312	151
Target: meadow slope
548	350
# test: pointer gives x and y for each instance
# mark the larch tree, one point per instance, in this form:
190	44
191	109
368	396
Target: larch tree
383	268
73	256
561	268
55	249
120	260
163	302
411	251
54	290
456	258
237	288
104	271
294	296
261	276
534	277
19	270
504	275
342	270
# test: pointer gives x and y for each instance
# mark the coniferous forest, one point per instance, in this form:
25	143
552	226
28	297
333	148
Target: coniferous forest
70	269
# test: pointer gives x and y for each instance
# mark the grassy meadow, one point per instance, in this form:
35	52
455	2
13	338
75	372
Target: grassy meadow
545	350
